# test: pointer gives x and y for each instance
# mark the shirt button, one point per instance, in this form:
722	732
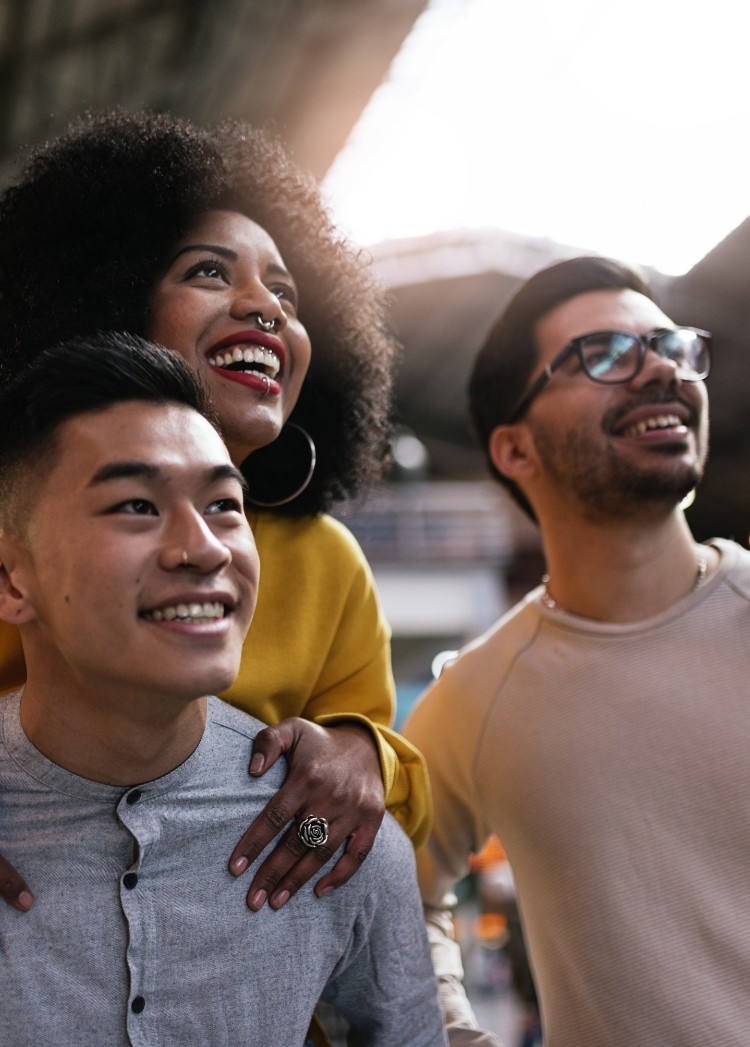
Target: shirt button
129	880
134	796
137	1005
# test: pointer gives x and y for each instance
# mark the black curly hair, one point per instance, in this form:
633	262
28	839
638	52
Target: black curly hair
86	229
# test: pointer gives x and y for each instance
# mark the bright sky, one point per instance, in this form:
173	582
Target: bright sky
611	127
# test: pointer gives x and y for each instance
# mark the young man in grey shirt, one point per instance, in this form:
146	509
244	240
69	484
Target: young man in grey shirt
127	564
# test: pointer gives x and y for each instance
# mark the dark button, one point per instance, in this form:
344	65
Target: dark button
134	796
137	1005
130	880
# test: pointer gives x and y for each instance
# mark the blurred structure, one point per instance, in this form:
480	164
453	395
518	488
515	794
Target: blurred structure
308	65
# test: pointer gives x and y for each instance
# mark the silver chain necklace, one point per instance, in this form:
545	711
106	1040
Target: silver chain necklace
551	603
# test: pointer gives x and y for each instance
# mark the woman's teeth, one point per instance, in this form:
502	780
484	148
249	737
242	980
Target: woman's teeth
256	356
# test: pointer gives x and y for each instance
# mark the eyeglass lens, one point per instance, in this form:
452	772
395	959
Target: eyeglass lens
615	356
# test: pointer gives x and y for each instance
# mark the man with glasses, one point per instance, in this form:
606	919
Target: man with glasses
601	727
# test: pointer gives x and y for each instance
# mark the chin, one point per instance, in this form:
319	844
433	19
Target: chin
254	432
215	683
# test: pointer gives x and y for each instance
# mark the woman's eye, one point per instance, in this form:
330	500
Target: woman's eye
286	293
210	268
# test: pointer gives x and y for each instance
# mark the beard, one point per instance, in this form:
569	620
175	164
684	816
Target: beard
609	485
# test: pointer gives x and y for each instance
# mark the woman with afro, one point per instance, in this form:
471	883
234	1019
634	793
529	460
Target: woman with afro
212	242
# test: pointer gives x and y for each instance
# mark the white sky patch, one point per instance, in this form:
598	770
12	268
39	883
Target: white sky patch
617	128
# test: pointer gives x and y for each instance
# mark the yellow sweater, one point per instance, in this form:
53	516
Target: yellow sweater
318	647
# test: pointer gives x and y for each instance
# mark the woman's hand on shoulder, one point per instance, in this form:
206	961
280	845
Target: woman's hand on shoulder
14	888
334	774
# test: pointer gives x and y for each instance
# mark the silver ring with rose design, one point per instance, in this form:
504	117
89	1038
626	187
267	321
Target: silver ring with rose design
313	831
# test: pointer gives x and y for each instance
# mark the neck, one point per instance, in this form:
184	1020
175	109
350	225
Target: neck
116	738
623	571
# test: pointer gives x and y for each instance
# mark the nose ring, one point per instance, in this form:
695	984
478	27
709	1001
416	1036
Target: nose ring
266	325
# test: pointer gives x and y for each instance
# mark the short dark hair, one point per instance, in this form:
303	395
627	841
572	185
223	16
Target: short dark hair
504	365
73	378
86	230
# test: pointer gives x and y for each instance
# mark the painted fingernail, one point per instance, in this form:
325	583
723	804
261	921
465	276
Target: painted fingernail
280	899
238	866
257	900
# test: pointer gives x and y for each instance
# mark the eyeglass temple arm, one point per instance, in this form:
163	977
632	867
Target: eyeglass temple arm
535	387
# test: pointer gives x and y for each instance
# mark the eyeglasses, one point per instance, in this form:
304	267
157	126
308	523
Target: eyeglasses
617	356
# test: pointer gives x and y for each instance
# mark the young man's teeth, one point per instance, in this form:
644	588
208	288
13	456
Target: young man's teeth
661	421
187	612
248	354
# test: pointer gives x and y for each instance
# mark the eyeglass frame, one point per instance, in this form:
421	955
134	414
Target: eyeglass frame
645	342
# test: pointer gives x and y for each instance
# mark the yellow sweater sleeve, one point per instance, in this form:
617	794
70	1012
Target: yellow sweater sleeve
319	647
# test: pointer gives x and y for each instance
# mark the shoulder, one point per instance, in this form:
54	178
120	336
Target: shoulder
225	753
501	643
312	535
224	720
391	859
734	567
455	704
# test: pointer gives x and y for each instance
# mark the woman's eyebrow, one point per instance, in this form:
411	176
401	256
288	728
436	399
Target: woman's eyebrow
232	256
223	252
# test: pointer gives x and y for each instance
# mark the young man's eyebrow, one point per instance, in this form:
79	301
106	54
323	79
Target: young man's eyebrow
123	470
146	471
229	472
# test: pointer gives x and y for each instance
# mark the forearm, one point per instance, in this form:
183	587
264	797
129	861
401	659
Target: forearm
460	1021
405	780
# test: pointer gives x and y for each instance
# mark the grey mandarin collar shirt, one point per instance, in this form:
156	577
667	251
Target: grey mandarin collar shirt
140	936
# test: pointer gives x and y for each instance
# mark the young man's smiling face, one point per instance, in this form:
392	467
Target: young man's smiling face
137	567
622	445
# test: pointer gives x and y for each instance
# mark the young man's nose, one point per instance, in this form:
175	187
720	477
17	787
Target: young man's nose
656	368
191	543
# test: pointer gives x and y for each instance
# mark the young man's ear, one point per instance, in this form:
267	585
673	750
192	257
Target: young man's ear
15	605
511	451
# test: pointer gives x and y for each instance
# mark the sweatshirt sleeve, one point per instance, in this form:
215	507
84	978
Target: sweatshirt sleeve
447	728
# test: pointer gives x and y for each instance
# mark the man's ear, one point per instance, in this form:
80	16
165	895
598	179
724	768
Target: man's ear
509	448
15	603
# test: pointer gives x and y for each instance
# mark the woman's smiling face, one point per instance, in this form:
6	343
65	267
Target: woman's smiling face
224	283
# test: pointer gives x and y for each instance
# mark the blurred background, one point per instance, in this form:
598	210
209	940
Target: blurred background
465	144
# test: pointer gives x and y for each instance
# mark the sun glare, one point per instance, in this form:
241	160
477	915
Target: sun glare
606	127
